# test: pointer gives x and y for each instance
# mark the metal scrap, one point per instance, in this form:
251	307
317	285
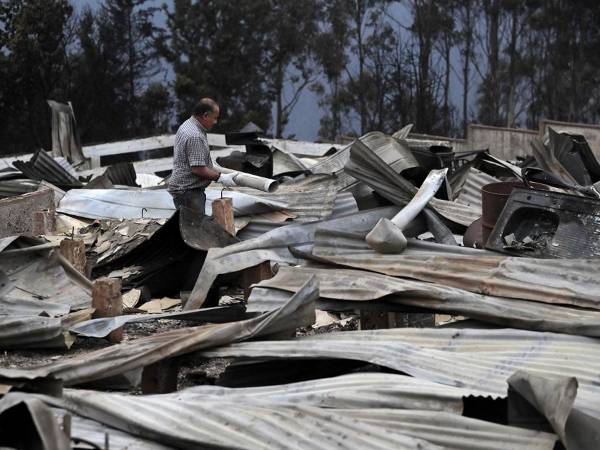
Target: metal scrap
42	166
477	359
272	246
356	287
131	355
567	282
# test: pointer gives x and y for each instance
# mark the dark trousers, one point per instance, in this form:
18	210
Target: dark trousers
193	199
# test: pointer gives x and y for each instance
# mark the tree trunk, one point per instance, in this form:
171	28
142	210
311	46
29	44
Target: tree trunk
467	65
510	100
279	103
131	70
494	18
358	18
424	35
447	48
335	110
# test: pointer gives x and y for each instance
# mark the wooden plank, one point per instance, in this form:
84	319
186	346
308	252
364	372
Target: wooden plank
74	251
107	300
222	211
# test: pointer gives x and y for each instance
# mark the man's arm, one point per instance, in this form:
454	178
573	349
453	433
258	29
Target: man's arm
205	172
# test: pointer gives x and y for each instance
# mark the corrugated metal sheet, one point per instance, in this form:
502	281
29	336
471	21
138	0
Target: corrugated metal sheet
393	152
156	204
4	243
333	164
353	391
287	162
365	165
470	192
559	281
189	423
95	432
37	426
194	424
45	279
135	354
456	432
468	358
122	174
11	306
344	205
65	135
32	332
309	200
302	148
553	398
273	246
65	164
101	327
10	188
117	204
43	167
10	173
33	298
359	286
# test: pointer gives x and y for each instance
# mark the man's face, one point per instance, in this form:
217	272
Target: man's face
208	120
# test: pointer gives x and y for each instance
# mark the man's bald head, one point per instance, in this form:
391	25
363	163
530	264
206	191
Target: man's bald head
205	106
207	112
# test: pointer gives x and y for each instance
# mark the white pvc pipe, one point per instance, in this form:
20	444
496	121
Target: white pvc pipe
252	181
387	236
425	193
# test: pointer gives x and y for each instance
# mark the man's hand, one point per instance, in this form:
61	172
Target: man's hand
228	179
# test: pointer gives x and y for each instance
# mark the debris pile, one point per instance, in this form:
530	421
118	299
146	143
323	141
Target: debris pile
388	293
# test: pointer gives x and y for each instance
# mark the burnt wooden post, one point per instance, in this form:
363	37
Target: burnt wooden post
255	274
161	377
66	425
222	211
106	299
74	251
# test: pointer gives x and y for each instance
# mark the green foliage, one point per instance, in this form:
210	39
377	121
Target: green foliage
374	64
117	57
217	49
155	108
33	40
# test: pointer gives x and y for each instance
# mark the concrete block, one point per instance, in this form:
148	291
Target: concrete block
18	212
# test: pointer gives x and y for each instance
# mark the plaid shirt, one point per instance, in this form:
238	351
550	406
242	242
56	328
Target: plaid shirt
190	150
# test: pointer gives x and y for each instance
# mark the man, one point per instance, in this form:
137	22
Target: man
192	165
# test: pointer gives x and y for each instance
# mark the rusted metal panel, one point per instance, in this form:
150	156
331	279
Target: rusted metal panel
131	355
273	246
356	287
470	192
569	282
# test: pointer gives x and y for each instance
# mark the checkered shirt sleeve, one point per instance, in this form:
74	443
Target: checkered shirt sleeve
198	152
